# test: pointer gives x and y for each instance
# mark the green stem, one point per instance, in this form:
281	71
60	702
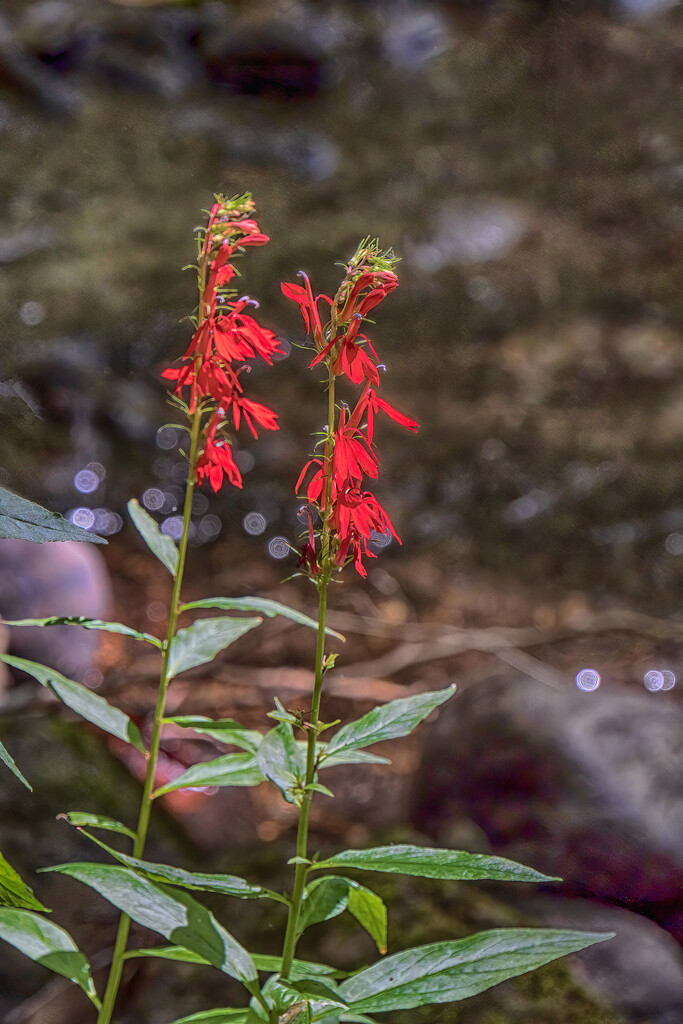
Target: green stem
114	979
301	868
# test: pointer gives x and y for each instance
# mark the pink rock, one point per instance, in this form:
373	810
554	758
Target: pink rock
63	578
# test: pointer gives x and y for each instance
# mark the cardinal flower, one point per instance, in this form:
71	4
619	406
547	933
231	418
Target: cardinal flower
215	462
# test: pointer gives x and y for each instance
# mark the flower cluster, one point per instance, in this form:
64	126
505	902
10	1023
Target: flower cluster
225	335
349	514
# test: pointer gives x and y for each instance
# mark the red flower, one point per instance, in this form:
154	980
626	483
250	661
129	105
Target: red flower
371	402
357	515
308	306
352	457
216	461
351	358
252	411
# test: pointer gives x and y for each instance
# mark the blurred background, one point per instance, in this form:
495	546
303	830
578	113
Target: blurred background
524	158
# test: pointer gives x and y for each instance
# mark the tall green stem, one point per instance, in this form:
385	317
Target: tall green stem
114	979
301	869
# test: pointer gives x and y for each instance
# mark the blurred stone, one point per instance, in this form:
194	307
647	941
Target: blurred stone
26	76
473	233
63	578
581	785
414	35
639	972
650	351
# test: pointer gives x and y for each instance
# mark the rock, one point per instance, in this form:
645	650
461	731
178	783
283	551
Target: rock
24	74
639	972
63	578
583	785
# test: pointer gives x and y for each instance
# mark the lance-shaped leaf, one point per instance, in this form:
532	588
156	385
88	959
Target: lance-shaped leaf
282	760
264	606
323	899
371	913
159	543
171	912
79	818
21	519
224	1016
424	862
398	718
229	770
225	730
327	897
229	885
444	972
81	620
7	759
300	968
14	892
81	700
202	641
349	757
177	953
47	944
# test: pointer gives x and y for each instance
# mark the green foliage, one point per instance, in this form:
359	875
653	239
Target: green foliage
14	892
264	605
81	700
159	543
449	971
201	642
425	862
388	722
79	818
172	913
81	620
230	770
329	896
282	760
48	945
21	519
8	760
225	730
228	885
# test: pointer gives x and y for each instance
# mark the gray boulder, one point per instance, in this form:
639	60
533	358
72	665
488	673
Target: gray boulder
587	786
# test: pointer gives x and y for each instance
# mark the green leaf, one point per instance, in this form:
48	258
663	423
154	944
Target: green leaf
21	519
225	1016
80	620
225	730
179	953
300	968
259	604
444	972
282	760
229	885
327	897
7	759
323	899
229	770
202	641
369	910
81	700
349	757
159	543
398	718
425	862
171	912
79	818
46	944
14	892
